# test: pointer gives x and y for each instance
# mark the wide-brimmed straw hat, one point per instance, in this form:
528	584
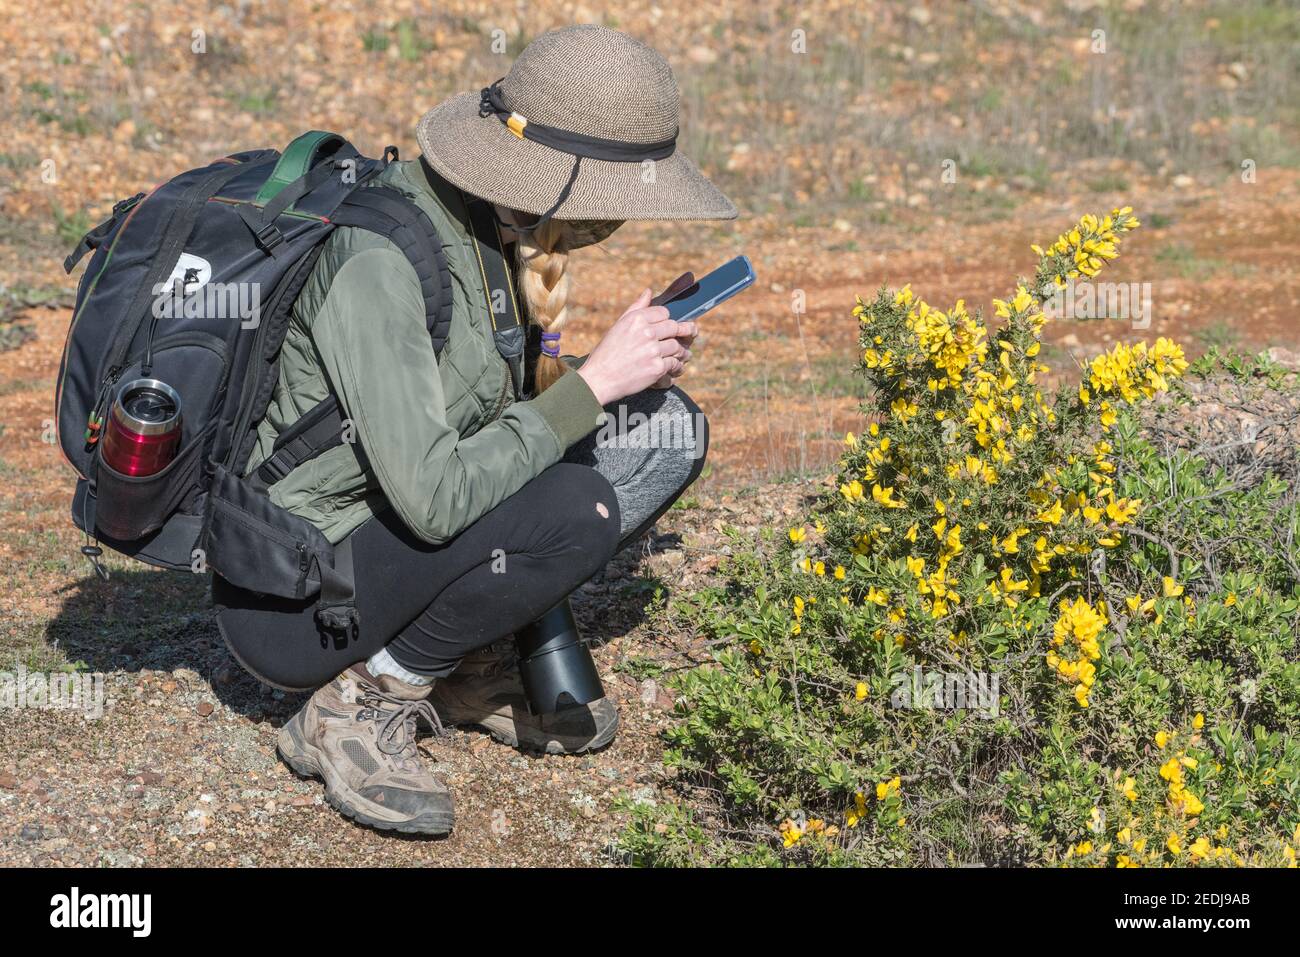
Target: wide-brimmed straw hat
584	126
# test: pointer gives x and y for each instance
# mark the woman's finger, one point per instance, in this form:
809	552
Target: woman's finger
666	328
670	348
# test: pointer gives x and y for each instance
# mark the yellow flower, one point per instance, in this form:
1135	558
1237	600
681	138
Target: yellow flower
1200	848
1010	544
1129	789
860	692
858	811
1174	844
797	535
886	498
839	573
1053	515
885	788
1171	588
1162	738
791	832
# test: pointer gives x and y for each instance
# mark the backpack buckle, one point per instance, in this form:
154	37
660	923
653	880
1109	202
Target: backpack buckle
268	237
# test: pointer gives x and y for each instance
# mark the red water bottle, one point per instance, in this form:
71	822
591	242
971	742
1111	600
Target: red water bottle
144	428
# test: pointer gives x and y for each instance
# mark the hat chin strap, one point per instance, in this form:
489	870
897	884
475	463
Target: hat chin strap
579	145
568	187
541	220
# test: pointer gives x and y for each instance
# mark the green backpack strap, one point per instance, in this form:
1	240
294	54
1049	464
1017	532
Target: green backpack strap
298	157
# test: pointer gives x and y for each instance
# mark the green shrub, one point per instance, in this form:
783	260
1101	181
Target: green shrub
1016	633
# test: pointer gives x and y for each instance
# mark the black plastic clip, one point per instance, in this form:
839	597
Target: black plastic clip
268	237
92	553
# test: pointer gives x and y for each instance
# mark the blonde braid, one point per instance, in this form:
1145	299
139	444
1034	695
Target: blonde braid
544	284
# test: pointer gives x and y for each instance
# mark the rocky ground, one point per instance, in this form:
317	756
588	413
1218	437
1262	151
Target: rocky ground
181	767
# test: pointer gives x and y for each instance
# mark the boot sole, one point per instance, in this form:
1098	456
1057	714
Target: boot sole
306	761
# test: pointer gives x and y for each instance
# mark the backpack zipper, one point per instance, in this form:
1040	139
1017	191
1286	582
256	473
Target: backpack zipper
243	421
95	423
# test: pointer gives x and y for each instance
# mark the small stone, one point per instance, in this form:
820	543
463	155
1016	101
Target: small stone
8	782
204	709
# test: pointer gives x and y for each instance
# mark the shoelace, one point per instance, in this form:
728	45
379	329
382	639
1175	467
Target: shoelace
401	722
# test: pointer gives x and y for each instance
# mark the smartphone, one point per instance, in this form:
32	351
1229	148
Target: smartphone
717	287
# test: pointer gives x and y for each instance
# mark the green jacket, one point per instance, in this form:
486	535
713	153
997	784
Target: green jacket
443	440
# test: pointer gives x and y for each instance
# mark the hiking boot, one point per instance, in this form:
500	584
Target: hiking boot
486	692
357	734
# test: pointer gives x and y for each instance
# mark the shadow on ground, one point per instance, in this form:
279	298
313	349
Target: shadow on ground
143	619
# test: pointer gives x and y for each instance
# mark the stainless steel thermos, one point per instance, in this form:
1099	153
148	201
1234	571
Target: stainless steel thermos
143	429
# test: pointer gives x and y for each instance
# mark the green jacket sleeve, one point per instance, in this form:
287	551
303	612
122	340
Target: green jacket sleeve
372	340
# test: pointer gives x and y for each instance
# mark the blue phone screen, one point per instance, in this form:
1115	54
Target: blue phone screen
718	286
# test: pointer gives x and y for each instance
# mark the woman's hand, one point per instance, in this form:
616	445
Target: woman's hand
676	287
642	348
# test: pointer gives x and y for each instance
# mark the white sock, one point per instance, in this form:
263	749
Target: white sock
382	663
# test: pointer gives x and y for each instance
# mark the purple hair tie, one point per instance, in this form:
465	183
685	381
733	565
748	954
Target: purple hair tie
550	344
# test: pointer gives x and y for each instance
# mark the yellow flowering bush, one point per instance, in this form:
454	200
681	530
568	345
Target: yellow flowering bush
981	644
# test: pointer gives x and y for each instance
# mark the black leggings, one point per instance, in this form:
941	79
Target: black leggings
433	604
502	572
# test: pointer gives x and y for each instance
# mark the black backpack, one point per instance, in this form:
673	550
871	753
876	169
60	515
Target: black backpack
249	227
